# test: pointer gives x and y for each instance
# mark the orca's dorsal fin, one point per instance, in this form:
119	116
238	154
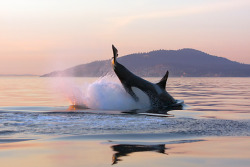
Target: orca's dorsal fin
163	81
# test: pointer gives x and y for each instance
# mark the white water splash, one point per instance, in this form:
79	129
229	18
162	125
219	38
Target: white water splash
106	93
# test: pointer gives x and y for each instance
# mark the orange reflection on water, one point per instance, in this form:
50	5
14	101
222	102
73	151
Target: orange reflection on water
223	98
66	153
28	91
221	147
54	153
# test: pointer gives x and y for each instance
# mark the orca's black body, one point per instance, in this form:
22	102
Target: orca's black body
159	97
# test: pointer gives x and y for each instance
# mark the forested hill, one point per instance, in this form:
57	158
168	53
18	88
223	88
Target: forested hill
183	62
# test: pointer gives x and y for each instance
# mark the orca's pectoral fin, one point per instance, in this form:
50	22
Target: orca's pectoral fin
163	81
115	52
130	91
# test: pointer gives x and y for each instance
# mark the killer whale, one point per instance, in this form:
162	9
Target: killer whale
158	96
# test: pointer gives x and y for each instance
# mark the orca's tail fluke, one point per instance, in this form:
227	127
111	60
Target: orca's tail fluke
163	81
115	52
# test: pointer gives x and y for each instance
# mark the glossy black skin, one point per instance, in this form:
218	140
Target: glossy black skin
158	96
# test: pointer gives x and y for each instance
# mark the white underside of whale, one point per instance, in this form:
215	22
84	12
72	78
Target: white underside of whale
144	100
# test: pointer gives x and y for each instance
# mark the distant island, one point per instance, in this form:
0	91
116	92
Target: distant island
180	63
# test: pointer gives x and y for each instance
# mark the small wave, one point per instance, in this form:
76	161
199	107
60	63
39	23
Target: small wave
62	124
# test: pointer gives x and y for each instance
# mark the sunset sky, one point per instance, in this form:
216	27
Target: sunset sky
39	36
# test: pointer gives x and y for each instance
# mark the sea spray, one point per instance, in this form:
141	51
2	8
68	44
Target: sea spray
106	93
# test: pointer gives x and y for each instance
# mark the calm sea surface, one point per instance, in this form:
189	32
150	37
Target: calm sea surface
45	122
34	106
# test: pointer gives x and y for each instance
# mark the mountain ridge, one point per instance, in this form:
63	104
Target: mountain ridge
183	62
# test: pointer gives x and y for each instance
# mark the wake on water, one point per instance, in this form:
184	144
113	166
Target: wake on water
106	93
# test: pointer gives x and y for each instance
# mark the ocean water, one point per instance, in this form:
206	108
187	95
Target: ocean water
35	107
